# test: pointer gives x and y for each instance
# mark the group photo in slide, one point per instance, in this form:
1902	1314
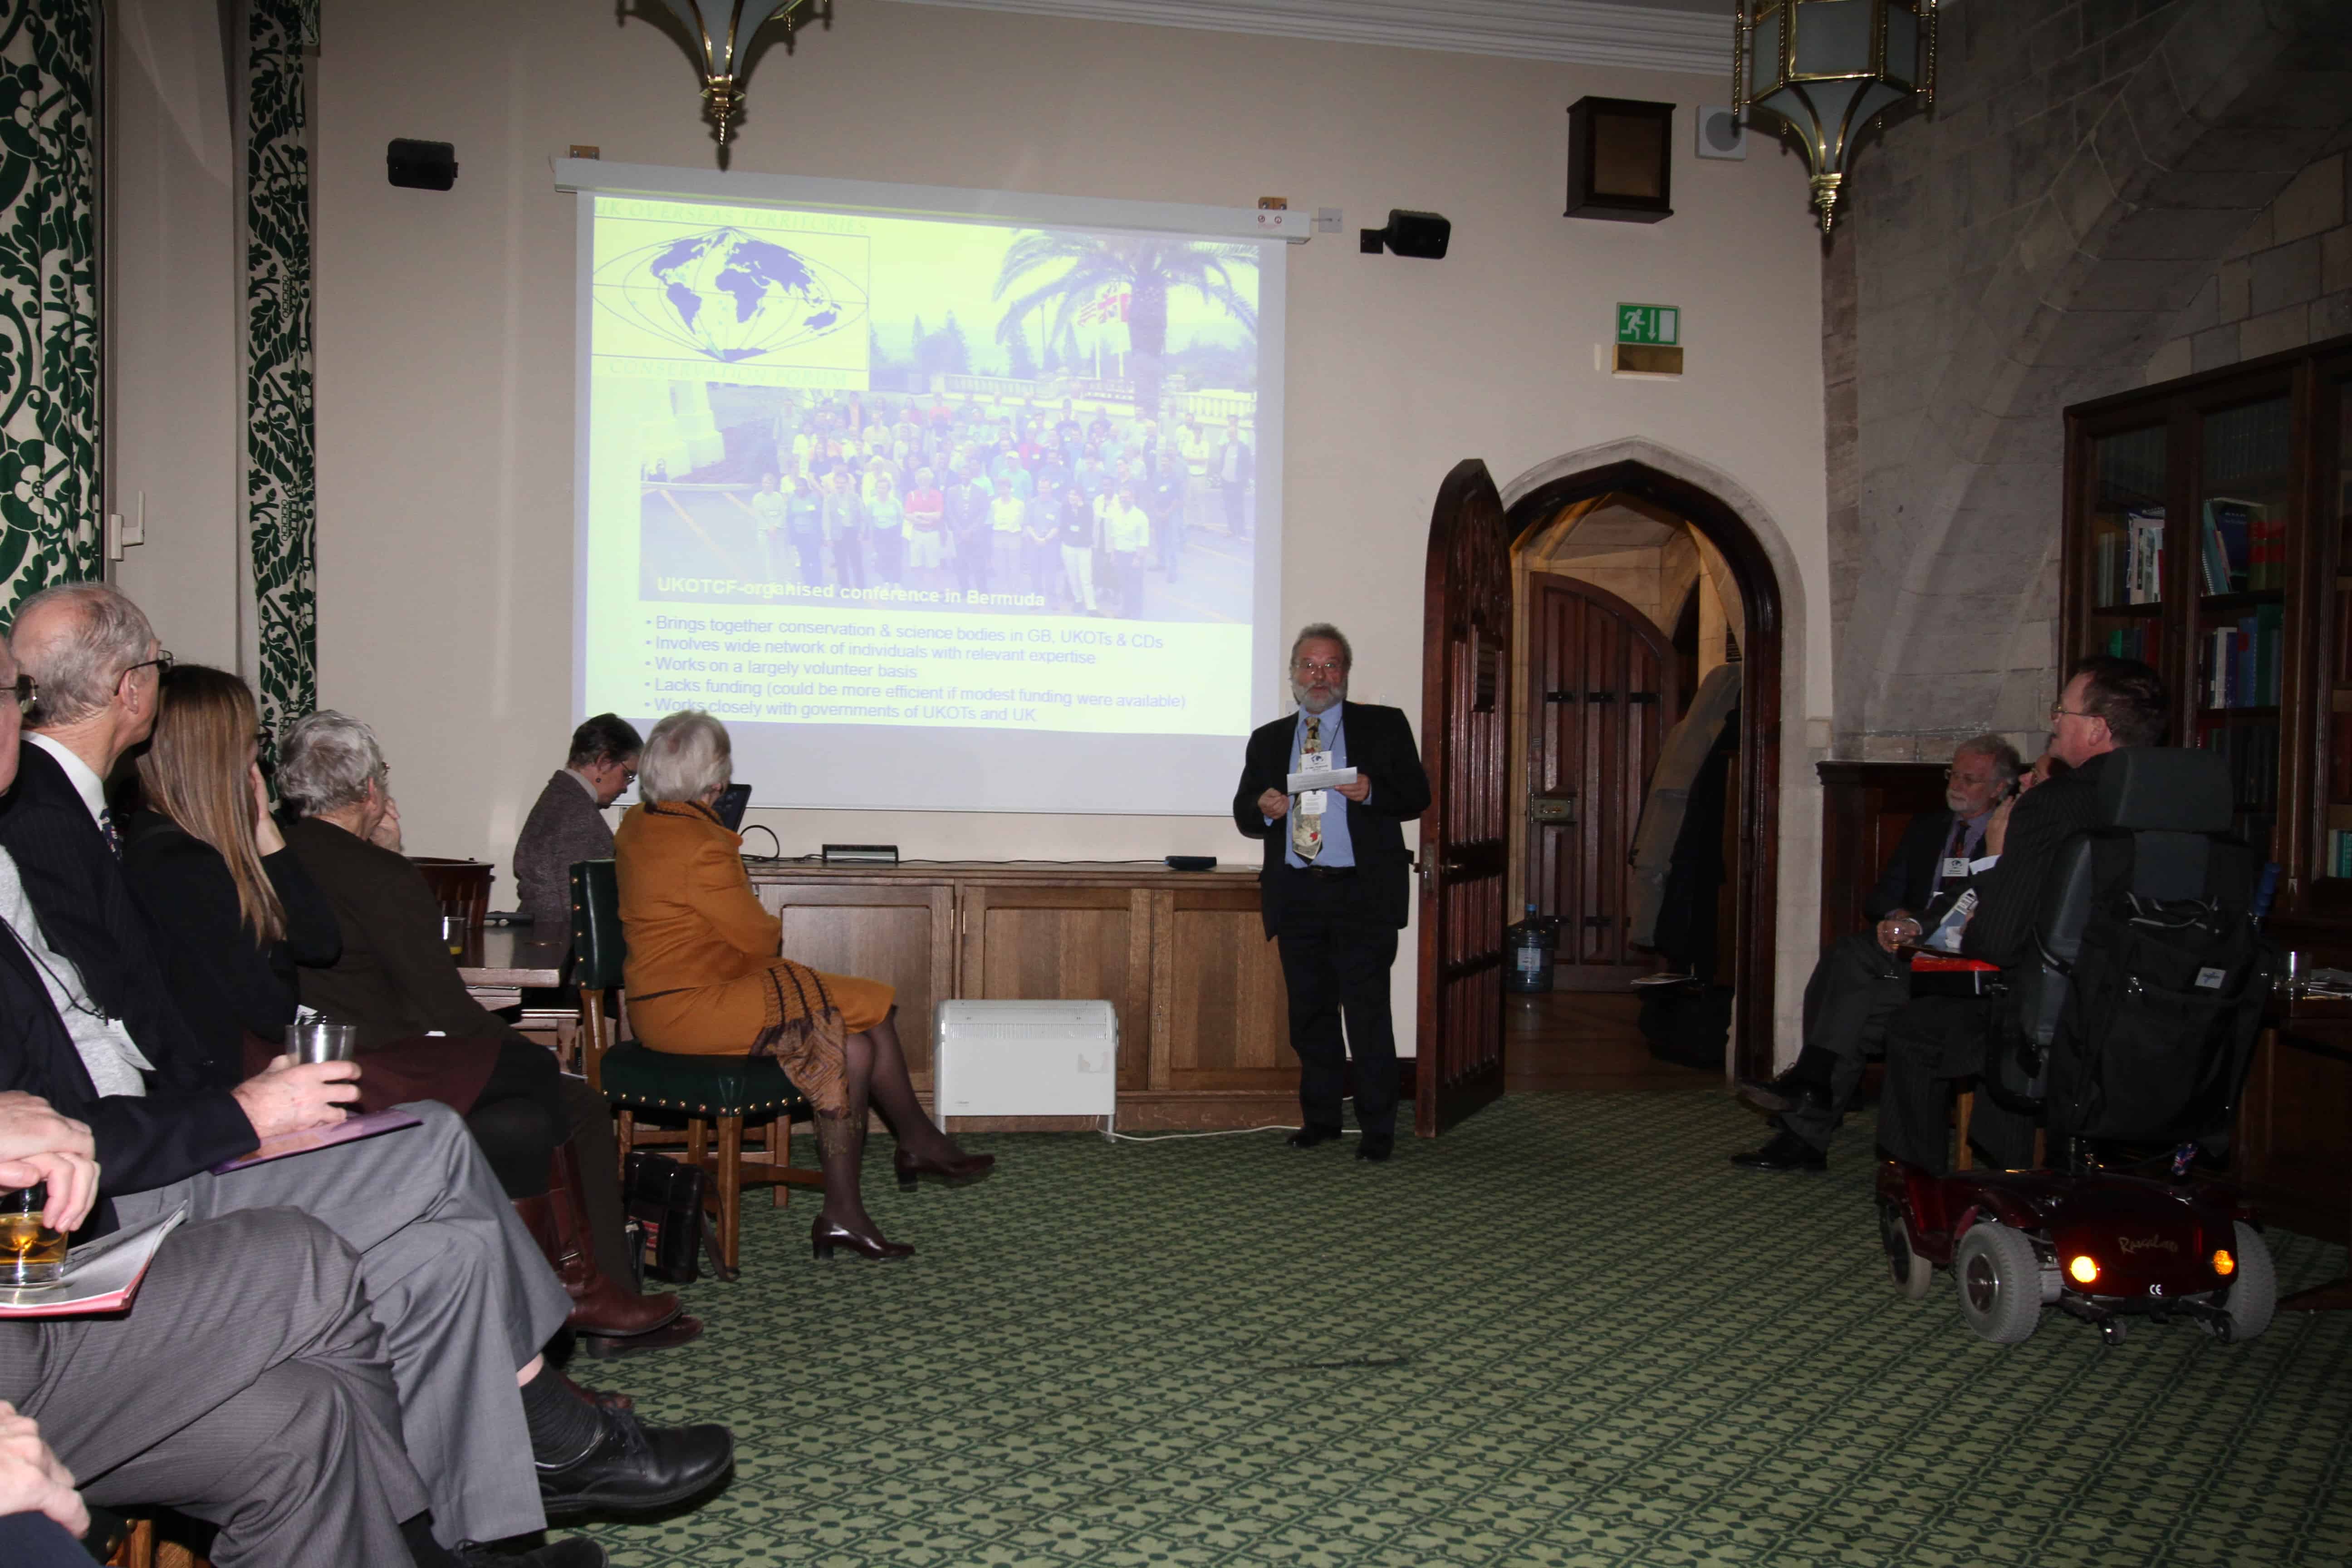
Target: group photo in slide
990	420
856	476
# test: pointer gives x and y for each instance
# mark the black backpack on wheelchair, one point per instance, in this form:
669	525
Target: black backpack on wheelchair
2136	1018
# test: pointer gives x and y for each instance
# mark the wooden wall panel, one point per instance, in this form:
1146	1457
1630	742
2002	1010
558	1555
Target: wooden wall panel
900	934
1226	1010
1865	806
1049	943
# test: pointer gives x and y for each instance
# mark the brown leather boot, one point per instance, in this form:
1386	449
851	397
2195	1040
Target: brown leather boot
600	1305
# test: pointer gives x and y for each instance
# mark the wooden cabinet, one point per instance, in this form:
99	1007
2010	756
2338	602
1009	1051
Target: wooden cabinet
1179	956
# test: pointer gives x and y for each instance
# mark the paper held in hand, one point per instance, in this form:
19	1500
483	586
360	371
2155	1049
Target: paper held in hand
1327	778
101	1276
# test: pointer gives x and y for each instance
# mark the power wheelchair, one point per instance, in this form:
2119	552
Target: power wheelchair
2130	1033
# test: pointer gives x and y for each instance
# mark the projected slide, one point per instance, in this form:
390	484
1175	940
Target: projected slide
874	490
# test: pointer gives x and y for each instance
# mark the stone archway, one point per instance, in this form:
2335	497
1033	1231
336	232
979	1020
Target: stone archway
1783	829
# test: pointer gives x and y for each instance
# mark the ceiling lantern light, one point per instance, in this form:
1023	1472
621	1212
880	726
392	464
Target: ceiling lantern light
1826	68
718	56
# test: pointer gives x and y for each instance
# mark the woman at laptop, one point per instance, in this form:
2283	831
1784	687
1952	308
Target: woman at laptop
705	978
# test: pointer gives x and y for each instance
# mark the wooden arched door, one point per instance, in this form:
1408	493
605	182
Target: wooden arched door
1465	705
1602	689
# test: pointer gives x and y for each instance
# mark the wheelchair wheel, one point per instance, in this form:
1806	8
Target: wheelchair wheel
2000	1283
1913	1274
2253	1292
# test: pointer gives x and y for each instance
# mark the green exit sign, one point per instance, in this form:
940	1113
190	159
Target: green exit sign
1661	324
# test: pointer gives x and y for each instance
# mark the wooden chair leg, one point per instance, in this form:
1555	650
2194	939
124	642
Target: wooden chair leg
731	1190
172	1554
1962	1108
697	1140
138	1548
624	1133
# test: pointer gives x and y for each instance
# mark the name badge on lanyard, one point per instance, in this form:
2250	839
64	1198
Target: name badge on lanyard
1955	867
1312	801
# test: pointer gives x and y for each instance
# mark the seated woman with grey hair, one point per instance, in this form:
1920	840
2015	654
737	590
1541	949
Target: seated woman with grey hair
548	1137
705	978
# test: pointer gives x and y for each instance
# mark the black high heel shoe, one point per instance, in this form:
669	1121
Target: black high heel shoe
955	1169
824	1236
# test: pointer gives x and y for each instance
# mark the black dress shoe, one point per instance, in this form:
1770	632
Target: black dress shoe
1308	1137
1786	1092
1376	1149
1787	1152
636	1468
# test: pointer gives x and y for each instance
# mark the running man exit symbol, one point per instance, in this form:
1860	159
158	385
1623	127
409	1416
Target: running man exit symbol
1649	324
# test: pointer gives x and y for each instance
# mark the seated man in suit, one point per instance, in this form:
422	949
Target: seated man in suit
246	1385
568	825
2106	705
1334	890
457	1284
1863	982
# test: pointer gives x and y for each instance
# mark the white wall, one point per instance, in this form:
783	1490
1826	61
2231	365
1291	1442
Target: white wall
445	330
175	294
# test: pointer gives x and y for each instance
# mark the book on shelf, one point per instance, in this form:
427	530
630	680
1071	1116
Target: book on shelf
2339	852
2225	544
2128	642
2142	562
2266	551
2343	637
2252	752
2241	662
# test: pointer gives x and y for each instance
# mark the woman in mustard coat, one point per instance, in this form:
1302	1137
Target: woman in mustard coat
705	978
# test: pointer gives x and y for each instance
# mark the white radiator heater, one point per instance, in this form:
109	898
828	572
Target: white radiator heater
1025	1059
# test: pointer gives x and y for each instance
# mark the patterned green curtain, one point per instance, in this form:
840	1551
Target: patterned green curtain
280	486
49	298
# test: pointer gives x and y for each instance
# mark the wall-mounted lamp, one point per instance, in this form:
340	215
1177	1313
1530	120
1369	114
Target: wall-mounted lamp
1423	234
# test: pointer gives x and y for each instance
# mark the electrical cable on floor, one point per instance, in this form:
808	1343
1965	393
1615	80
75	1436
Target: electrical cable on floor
1223	1132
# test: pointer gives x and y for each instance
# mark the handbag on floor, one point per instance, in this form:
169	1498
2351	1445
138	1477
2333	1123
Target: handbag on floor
664	1199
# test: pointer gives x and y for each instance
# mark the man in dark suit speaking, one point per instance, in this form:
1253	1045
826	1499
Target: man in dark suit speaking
1862	981
1334	888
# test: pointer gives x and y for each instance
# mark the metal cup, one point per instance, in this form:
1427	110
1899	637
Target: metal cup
454	930
320	1041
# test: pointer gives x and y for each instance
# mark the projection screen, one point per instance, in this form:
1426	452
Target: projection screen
942	501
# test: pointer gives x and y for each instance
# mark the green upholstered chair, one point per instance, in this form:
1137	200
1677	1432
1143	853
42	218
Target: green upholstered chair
714	1094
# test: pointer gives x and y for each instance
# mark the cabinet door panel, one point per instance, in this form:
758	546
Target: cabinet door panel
1035	944
1224	1005
901	934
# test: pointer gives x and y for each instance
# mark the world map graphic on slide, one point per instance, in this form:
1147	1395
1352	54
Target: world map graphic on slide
729	295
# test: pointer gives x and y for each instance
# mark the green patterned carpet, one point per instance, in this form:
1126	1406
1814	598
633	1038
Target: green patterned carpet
1568	1334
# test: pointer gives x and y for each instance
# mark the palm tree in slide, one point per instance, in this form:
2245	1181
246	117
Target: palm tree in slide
1081	267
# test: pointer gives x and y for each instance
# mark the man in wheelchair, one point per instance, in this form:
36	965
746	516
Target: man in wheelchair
2106	704
2131	980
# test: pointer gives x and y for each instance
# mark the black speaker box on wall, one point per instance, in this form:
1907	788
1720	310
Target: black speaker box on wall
1423	235
420	166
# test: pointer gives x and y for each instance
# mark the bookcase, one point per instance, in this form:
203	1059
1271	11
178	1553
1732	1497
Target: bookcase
2204	534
